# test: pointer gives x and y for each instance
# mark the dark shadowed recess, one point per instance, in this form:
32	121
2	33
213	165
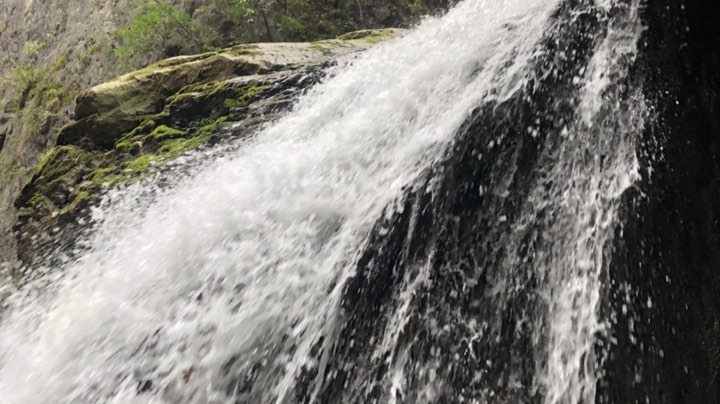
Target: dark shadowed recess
666	268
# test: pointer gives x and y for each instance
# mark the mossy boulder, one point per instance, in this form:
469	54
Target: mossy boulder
126	128
103	113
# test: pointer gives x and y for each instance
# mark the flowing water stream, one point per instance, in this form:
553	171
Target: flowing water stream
237	283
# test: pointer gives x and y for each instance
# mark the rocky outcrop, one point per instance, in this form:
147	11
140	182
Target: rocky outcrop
119	105
126	128
48	49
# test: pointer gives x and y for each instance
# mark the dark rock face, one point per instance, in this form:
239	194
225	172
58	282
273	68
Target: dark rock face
666	269
661	294
475	325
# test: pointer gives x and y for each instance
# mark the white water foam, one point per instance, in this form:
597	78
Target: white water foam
242	259
597	164
573	215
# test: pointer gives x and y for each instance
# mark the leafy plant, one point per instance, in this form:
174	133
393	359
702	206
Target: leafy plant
156	30
295	20
293	28
252	13
36	91
32	48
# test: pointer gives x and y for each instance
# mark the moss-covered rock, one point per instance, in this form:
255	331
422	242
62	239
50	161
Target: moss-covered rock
126	128
70	178
199	85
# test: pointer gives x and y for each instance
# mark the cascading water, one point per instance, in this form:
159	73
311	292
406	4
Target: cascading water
429	224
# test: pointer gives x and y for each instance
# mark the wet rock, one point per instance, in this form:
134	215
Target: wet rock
128	127
198	83
665	275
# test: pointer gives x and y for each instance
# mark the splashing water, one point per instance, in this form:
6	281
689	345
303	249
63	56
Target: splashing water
599	167
217	288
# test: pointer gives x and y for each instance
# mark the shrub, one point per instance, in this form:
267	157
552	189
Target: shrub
33	86
157	30
293	20
32	48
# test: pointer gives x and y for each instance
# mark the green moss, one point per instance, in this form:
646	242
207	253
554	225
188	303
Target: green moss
178	60
204	88
323	47
244	47
235	103
46	158
105	177
140	164
80	200
246	97
160	145
168	144
162	133
127	146
196	93
191	92
176	147
58	160
180	99
41	202
210	126
138	134
370	36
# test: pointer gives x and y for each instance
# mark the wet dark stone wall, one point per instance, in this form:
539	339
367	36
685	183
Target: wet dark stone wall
662	295
463	237
664	290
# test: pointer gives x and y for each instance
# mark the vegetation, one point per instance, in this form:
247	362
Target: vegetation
32	48
83	173
295	20
157	29
244	99
130	139
35	90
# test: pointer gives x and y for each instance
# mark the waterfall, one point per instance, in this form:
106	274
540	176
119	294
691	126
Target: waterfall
429	224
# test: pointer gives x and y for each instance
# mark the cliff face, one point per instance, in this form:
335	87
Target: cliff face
662	290
57	46
666	270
